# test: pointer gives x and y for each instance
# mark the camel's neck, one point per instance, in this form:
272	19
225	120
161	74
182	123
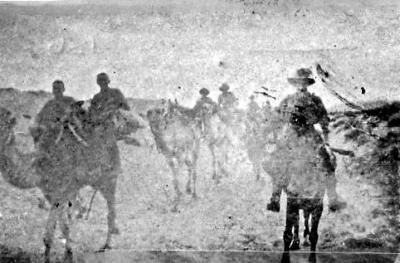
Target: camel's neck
158	133
16	168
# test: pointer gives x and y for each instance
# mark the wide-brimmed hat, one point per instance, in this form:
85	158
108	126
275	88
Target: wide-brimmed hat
224	87
204	91
302	77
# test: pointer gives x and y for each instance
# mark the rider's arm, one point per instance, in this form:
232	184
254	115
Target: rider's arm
120	100
123	102
323	117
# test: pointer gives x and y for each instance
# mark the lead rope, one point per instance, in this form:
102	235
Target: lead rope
78	138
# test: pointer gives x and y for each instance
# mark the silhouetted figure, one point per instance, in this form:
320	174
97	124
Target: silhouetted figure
49	119
204	108
101	110
304	110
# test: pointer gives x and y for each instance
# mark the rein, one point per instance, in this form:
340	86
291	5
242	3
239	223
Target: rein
74	133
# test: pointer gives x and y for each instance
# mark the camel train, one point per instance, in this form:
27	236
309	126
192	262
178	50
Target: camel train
79	158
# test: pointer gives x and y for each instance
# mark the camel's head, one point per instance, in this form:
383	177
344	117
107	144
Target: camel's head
126	124
7	124
73	118
168	108
155	115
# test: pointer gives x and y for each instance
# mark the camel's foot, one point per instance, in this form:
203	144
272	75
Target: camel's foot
312	258
214	176
224	172
174	209
115	230
188	190
47	253
285	257
295	245
336	205
306	243
104	248
68	256
274	206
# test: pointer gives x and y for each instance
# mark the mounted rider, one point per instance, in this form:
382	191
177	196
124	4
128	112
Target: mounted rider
203	110
252	108
304	111
49	120
254	114
102	110
227	103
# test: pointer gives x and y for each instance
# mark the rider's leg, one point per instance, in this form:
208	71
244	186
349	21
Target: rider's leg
335	202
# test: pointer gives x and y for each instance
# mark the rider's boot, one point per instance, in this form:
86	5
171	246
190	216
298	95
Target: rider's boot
335	202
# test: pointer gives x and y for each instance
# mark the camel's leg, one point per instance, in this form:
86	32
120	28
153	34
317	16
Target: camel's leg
50	229
316	216
222	164
189	182
306	227
274	202
296	240
65	229
191	164
257	170
175	171
215	175
292	216
223	156
108	192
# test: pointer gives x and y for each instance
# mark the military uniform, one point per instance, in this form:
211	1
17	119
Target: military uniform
50	119
100	112
52	112
303	110
205	103
204	108
227	100
103	102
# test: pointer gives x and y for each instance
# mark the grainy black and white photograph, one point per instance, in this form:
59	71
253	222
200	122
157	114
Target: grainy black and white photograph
200	131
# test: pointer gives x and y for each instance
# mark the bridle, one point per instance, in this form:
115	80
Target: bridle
73	132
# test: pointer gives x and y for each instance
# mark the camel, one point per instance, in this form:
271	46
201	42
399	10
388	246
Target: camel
178	136
78	157
295	163
256	140
176	139
213	131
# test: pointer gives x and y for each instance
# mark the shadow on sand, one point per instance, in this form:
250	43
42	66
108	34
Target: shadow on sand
17	255
11	255
239	257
